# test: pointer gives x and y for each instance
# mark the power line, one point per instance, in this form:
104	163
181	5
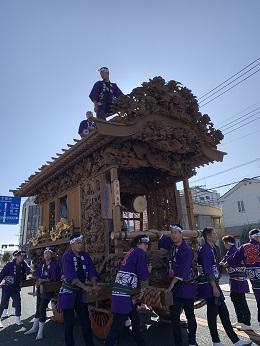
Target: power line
235	182
234	121
237	114
210	189
227	170
242	126
229	83
228	79
234	140
229	89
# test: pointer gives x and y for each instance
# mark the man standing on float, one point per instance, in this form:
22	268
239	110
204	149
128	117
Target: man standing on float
103	93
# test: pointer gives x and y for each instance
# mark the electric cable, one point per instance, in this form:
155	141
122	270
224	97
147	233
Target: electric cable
229	89
229	83
228	79
234	121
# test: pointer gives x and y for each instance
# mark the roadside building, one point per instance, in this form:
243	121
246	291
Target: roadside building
241	208
204	196
207	212
31	218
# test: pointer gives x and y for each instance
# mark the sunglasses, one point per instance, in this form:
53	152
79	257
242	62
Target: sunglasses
146	244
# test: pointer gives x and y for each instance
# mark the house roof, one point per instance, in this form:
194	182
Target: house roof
237	186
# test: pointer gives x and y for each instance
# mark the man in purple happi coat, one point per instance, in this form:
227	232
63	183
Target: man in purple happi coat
47	271
249	253
86	125
103	93
13	273
182	284
238	285
77	268
133	268
208	283
5	312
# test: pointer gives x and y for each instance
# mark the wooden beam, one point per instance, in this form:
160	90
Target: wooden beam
116	211
103	294
166	298
50	287
131	235
28	282
189	204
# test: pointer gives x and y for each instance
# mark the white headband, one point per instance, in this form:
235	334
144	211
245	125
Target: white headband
230	243
80	237
48	249
253	236
145	239
177	228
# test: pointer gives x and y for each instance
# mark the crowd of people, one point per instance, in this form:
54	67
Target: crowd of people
76	270
102	95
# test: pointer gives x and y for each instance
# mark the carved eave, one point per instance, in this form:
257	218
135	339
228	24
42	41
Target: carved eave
108	132
69	158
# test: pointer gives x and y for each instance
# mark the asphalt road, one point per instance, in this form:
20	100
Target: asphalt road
155	331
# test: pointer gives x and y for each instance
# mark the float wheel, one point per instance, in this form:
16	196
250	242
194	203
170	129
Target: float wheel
165	314
199	303
101	321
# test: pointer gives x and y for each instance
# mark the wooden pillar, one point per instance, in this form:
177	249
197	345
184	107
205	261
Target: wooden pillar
189	204
116	208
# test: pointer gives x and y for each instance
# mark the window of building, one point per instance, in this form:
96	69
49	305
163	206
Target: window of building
241	207
196	219
202	198
216	222
207	197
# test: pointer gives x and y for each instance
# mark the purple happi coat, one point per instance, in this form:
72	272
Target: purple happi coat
180	266
237	275
208	270
249	253
98	93
67	295
133	268
84	126
51	272
9	275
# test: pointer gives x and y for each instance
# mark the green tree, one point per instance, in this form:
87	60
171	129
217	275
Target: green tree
6	256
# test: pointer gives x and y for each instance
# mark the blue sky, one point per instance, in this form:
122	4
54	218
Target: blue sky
50	51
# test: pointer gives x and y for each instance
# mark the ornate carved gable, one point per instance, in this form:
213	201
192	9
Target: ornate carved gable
159	128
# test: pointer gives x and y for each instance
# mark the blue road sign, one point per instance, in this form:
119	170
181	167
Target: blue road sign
9	210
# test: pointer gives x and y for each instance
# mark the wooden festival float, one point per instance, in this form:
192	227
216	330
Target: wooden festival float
119	181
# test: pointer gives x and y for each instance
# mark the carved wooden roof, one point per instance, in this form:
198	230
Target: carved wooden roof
157	120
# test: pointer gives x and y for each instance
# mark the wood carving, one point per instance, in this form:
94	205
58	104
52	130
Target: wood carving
159	138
